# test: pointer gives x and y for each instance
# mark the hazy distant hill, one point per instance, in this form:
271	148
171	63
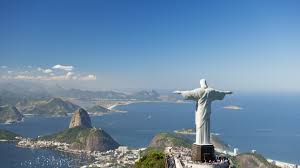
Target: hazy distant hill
86	95
9	114
145	95
11	93
53	107
27	93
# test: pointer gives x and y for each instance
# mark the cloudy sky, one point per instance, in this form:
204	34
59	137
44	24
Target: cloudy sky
237	45
54	73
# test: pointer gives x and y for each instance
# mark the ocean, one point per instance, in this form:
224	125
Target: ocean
267	123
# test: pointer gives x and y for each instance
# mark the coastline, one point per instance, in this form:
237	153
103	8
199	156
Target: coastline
125	103
64	147
123	154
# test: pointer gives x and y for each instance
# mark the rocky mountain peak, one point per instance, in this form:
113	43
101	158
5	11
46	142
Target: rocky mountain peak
80	118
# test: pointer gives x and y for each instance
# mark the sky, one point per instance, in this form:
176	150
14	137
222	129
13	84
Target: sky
161	44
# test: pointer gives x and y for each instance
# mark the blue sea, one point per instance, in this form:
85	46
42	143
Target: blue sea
268	123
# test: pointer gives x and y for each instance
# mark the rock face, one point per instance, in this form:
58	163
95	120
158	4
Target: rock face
10	114
95	140
80	118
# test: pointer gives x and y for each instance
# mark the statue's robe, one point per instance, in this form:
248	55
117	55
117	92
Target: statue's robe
204	97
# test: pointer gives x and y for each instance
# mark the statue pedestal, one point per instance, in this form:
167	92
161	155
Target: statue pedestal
202	153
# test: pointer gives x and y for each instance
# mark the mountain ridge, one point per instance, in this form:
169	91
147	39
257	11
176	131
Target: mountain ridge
10	114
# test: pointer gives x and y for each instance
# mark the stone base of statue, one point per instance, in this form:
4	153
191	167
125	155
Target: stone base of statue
203	153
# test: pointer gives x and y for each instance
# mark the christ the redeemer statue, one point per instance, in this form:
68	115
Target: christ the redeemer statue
204	96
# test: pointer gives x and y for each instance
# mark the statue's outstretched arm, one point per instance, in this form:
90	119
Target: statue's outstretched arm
177	92
188	95
228	92
224	92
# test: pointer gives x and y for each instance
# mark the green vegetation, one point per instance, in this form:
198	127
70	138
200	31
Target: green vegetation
151	159
69	135
162	140
7	135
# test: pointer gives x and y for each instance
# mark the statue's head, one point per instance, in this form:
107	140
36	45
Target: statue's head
203	84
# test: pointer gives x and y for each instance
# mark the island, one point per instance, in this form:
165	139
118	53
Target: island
231	107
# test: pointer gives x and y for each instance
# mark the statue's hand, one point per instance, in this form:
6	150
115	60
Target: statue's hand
177	92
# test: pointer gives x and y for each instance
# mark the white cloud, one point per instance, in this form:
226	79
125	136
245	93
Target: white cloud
89	77
63	67
69	75
4	66
24	77
48	74
31	77
47	70
44	70
24	72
